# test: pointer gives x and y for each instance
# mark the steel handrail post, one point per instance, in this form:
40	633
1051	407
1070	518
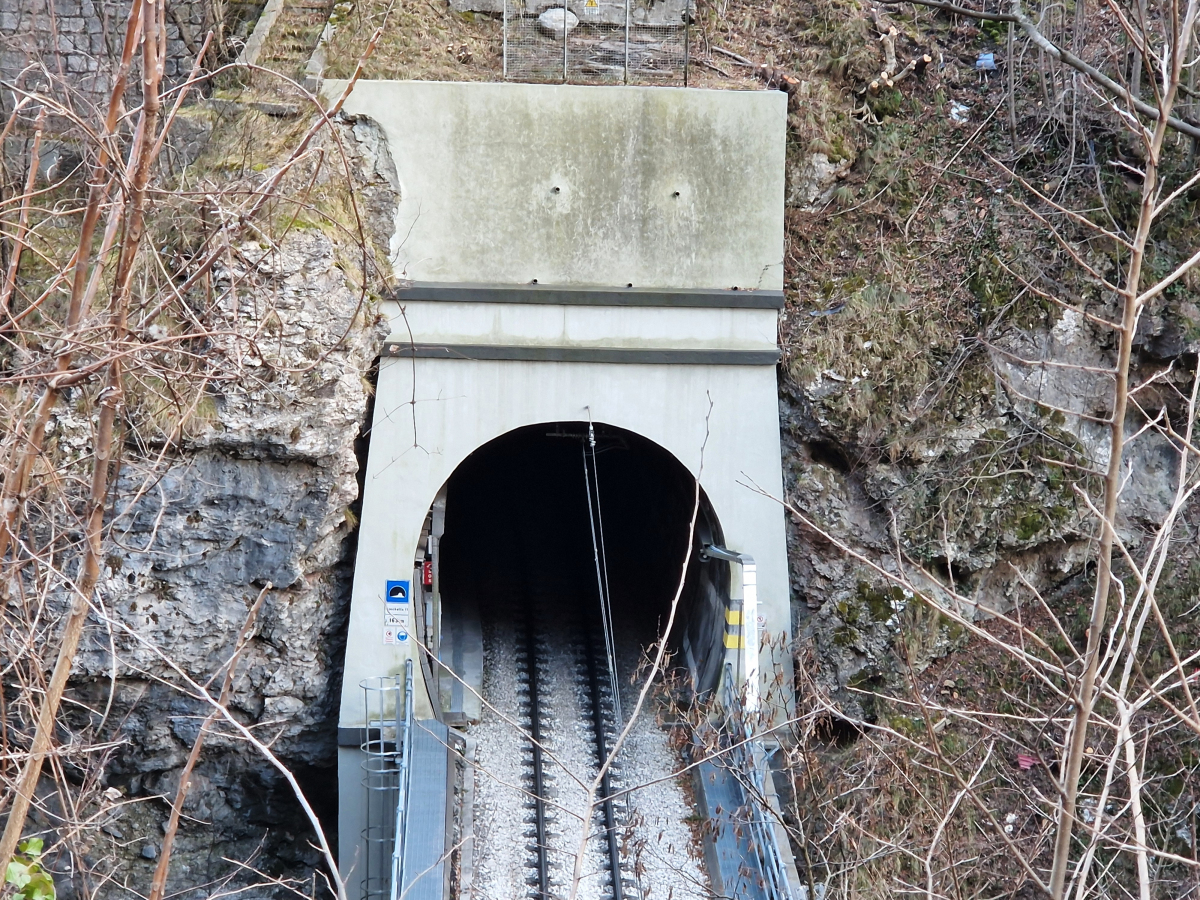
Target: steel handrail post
399	838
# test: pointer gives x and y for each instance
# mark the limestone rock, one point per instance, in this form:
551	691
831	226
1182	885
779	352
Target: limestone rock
258	493
556	20
992	530
810	183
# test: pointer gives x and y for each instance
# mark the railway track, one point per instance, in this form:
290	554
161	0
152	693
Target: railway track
601	725
541	654
540	662
530	657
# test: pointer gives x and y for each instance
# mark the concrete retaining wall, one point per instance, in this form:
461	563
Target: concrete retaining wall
78	42
569	184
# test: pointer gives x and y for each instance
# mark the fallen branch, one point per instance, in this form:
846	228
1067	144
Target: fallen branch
712	65
888	39
736	57
775	79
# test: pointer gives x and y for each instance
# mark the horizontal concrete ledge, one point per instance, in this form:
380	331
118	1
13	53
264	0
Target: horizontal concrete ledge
562	295
487	352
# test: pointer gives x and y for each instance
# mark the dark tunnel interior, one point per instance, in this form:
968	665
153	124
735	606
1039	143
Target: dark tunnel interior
518	531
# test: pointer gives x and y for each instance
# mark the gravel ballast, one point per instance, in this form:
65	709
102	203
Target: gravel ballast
653	822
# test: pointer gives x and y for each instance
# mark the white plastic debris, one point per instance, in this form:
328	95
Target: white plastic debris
959	113
1087	810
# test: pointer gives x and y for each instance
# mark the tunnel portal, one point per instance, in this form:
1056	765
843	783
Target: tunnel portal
563	255
521	531
560	555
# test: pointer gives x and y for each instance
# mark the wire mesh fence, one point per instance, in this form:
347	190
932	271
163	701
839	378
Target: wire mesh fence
597	41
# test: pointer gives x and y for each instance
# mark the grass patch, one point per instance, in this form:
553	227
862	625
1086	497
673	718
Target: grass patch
424	40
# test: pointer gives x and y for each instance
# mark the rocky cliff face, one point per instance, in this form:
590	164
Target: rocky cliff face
261	494
981	494
929	406
897	442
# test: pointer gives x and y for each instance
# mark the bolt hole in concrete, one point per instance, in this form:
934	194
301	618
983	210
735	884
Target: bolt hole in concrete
517	552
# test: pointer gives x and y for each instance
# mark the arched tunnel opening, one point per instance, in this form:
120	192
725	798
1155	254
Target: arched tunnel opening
530	534
521	538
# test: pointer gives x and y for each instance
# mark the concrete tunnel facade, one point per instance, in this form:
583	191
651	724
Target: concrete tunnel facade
568	254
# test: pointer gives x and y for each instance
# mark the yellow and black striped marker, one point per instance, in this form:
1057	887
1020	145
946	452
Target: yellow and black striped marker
734	638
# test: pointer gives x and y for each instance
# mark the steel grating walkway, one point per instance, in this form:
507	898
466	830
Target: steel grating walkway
425	875
728	842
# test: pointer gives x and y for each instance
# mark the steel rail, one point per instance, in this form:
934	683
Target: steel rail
539	778
610	818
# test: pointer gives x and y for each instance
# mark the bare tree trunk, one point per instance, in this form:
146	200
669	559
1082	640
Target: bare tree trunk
102	467
14	258
1011	65
1175	47
1139	62
30	444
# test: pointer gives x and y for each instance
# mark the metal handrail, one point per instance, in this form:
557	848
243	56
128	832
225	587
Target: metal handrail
746	756
400	835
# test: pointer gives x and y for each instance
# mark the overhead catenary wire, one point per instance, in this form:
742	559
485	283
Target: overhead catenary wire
591	477
591	480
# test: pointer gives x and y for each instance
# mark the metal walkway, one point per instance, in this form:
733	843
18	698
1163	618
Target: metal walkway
424	874
745	859
744	855
423	812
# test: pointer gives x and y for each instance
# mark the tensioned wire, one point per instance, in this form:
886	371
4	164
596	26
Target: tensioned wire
591	474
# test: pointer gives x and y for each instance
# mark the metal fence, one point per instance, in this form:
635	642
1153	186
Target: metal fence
597	41
403	784
746	760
